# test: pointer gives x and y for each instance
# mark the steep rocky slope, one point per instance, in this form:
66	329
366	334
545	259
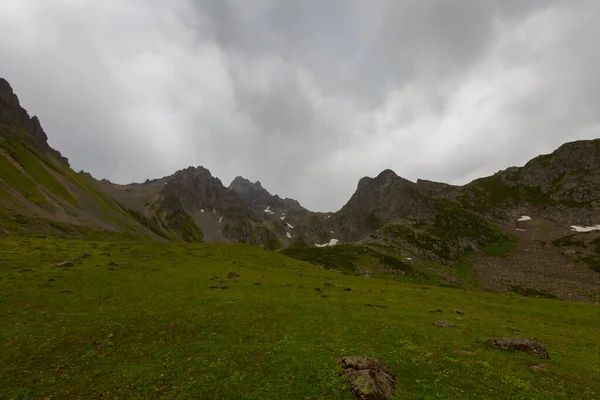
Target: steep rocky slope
39	193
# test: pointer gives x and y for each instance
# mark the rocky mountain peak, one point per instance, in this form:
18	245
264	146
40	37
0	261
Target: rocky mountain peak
12	114
383	180
434	188
196	188
258	198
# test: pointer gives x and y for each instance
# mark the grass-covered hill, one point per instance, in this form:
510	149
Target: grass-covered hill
41	194
98	319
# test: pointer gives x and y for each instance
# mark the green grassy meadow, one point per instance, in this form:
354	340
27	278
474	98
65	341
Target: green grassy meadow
139	320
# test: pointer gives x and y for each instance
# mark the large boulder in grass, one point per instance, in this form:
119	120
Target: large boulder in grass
370	379
519	344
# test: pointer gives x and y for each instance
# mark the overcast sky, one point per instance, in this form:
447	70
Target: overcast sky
305	96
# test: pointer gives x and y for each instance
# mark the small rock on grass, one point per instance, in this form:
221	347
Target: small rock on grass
518	344
458	312
374	306
233	275
64	264
370	378
219	287
444	323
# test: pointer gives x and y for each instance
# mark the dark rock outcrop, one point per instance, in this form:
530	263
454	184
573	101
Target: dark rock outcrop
370	379
518	344
258	198
15	120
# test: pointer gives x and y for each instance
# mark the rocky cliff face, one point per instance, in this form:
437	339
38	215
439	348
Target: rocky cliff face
258	198
197	190
15	120
378	201
205	198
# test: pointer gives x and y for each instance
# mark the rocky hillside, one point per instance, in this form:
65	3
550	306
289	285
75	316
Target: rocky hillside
563	186
533	229
192	205
40	194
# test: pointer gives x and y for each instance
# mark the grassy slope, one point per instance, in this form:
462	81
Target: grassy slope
41	176
150	327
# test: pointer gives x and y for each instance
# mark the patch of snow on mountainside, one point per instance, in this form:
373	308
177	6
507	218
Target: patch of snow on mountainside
268	210
524	218
332	242
576	228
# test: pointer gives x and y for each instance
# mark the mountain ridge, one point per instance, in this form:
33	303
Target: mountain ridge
435	225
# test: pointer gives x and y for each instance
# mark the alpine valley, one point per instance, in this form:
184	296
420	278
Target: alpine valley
185	287
532	229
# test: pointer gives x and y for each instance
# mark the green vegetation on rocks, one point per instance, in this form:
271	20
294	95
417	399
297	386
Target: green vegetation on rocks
16	179
348	258
29	160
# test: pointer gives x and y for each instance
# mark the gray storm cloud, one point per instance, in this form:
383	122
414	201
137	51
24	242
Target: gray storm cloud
305	96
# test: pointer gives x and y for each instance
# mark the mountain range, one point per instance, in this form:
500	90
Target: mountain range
532	229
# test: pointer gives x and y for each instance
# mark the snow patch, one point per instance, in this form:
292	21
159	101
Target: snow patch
331	232
576	228
409	259
282	218
329	216
220	219
332	242
524	218
268	210
521	230
202	210
289	235
290	226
